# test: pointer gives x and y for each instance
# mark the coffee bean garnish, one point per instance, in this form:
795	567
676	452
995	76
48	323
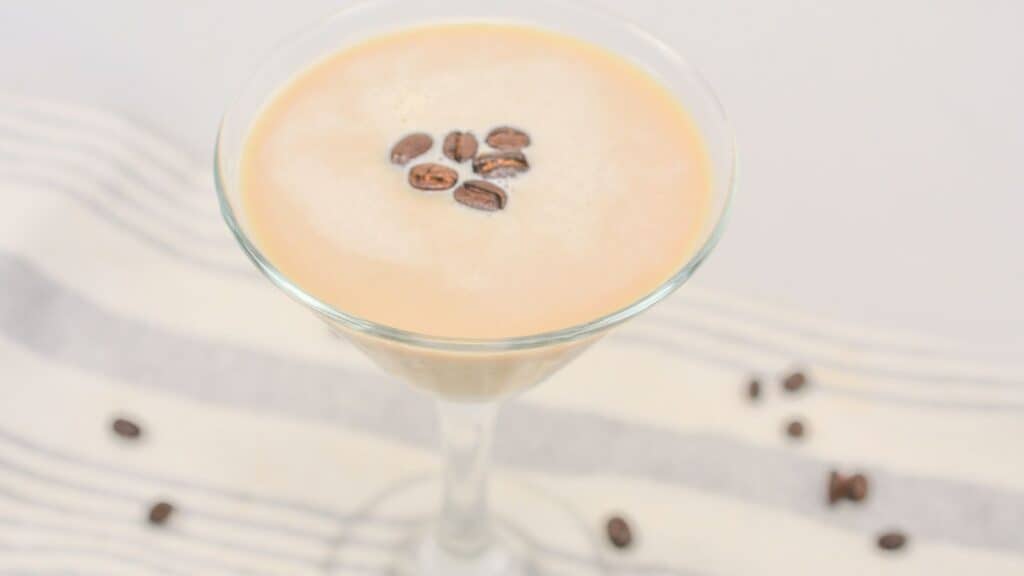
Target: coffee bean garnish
460	146
857	487
893	540
160	512
619	532
126	428
481	195
508	138
500	164
795	429
410	147
432	177
754	389
794	382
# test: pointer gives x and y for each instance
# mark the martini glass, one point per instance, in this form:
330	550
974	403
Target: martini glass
471	378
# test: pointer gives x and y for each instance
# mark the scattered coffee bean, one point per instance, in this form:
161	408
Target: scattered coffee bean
853	488
794	382
500	164
837	487
893	540
126	428
795	429
460	146
508	138
754	389
160	512
619	532
857	487
410	147
481	195
432	177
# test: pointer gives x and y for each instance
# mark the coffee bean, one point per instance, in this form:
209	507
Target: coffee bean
619	532
853	488
795	429
508	138
794	382
754	389
481	195
160	512
500	164
432	177
857	487
126	428
837	487
460	146
893	540
410	147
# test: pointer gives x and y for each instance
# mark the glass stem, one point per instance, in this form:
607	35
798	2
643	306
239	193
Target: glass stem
467	430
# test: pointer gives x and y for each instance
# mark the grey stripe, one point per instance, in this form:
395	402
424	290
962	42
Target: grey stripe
177	558
864	366
27	473
809	333
138	523
53	552
178	224
65	572
929	507
233	495
729	361
135	231
134	179
101	131
58	324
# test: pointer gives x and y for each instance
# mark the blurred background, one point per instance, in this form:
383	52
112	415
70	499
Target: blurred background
875	247
880	142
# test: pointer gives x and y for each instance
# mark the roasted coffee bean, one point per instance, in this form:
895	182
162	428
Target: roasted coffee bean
481	195
126	428
794	382
853	488
893	540
619	532
508	138
754	389
837	487
460	146
410	147
500	164
857	487
160	512
432	177
795	429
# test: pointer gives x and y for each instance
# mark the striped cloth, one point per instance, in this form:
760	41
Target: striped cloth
286	452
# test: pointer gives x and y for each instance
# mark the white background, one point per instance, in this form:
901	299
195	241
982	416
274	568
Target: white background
882	142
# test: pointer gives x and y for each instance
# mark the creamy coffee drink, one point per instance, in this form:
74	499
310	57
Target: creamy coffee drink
476	181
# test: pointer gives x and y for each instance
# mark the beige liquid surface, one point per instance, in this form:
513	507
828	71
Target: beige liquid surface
615	202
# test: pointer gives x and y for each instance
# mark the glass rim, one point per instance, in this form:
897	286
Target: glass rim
441	343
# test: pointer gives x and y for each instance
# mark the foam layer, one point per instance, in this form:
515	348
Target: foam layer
613	205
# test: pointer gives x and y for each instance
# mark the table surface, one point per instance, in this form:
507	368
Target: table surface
880	142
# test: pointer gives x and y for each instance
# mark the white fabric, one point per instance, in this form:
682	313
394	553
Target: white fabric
123	293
